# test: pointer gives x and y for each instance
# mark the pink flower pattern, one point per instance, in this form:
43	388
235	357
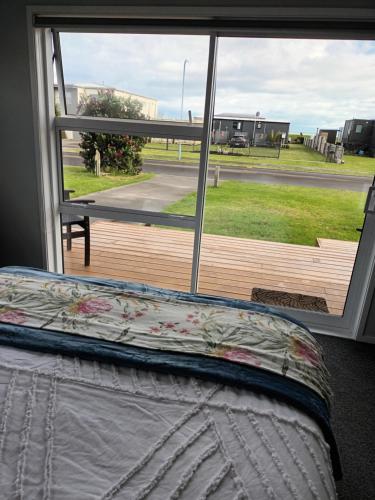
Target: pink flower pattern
241	356
155	329
193	318
302	350
132	316
92	306
14	316
169	325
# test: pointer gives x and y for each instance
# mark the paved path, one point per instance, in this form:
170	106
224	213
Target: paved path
152	195
261	175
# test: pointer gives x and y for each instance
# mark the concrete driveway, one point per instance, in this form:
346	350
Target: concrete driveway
152	195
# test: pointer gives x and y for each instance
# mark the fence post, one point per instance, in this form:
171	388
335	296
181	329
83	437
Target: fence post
97	163
217	176
339	153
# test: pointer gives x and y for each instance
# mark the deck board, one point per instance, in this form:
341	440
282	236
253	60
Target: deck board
230	266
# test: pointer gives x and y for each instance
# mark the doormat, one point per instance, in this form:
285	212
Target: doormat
286	299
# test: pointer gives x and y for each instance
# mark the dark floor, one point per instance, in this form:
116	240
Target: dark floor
352	368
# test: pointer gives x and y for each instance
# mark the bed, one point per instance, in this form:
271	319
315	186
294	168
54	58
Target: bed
113	390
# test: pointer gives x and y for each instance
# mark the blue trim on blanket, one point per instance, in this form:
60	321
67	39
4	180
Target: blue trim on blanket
216	370
159	292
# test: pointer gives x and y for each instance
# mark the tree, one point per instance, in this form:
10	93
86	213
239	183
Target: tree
274	137
118	153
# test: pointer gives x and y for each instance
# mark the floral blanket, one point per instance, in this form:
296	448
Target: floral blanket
243	333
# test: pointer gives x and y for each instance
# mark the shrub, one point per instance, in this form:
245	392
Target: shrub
274	137
297	138
118	153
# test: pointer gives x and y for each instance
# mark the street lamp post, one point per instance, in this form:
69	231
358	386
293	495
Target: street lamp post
182	104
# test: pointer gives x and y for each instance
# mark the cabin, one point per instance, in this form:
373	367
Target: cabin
255	129
359	136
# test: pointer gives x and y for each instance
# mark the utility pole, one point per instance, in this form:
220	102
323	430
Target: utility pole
182	104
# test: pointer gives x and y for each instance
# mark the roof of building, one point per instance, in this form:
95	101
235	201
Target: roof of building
245	117
239	116
360	120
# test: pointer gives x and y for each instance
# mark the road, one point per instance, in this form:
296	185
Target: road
263	176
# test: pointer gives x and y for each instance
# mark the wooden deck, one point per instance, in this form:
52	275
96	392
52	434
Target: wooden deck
230	267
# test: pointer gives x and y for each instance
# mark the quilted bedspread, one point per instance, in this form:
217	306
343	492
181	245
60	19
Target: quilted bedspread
85	430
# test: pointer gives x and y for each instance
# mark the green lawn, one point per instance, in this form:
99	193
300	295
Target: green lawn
286	214
84	182
296	158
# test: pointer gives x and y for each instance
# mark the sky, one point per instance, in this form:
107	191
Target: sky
309	83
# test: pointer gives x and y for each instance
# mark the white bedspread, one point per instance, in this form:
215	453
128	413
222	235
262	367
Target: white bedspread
79	430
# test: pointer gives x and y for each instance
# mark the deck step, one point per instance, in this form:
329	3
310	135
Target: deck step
348	246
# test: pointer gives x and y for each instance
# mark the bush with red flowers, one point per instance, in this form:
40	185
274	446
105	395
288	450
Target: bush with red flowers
118	153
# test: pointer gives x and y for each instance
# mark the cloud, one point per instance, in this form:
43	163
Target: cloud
311	83
144	64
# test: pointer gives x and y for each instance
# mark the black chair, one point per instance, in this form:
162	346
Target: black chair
68	221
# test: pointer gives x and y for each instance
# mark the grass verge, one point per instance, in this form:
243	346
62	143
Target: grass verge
287	214
84	182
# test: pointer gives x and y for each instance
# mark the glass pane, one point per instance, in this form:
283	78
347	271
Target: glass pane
155	77
281	226
138	253
130	172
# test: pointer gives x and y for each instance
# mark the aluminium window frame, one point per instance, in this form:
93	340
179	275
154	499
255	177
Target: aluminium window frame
356	24
43	105
142	128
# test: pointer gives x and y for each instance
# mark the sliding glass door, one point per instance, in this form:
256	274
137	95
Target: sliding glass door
240	171
290	169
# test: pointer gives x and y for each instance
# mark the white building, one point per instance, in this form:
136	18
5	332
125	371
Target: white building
74	93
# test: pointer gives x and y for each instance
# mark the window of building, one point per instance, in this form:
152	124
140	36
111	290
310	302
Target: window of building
358	129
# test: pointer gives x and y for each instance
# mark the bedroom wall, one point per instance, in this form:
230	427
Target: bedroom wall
21	240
